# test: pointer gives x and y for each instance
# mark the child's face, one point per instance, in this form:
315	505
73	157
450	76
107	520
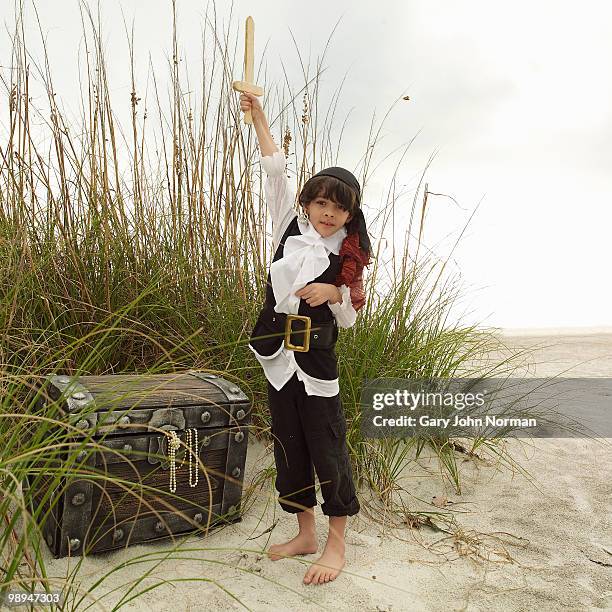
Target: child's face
327	217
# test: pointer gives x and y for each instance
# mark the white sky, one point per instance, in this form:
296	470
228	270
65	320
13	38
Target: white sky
513	98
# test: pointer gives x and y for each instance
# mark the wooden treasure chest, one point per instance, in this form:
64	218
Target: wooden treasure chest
152	456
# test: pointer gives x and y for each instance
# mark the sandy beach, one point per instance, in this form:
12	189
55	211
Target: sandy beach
541	541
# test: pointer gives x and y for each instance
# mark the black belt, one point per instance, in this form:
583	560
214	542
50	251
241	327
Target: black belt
301	333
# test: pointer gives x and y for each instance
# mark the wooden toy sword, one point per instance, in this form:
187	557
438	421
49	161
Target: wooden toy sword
247	84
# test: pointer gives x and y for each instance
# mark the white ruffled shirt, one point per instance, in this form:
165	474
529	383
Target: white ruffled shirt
304	258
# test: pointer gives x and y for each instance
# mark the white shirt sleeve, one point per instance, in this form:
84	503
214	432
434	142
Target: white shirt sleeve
344	312
280	196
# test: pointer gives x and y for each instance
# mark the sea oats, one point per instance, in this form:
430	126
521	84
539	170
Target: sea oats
305	117
286	141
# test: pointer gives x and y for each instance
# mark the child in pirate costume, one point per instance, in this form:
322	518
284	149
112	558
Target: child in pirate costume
314	286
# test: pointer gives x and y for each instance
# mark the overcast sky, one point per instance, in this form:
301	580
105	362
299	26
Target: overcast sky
514	99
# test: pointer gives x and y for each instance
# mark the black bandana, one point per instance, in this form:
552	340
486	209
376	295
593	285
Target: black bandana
348	178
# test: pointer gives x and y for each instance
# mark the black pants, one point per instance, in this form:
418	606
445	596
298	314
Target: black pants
307	430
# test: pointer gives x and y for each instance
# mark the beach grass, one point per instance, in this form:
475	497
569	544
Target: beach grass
119	256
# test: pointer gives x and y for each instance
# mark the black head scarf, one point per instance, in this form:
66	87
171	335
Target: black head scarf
348	178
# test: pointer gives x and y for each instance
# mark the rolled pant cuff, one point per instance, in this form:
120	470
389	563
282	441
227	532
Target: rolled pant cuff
350	510
297	505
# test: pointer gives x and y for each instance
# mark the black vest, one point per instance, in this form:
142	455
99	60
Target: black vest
320	363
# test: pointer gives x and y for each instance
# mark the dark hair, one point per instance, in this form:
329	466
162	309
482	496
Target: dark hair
335	190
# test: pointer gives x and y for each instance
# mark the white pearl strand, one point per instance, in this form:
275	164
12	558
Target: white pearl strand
173	444
193	457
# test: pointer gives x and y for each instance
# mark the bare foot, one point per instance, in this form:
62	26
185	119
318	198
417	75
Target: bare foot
302	544
328	566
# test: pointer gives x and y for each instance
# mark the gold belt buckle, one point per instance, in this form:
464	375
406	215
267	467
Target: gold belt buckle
303	348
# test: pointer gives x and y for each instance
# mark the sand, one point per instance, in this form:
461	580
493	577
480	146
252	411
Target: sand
536	541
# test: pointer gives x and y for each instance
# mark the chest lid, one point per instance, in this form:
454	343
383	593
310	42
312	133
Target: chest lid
131	403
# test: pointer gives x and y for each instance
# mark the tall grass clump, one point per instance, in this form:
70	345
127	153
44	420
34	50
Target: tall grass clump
120	256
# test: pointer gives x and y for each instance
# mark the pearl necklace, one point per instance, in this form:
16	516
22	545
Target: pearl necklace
174	443
193	457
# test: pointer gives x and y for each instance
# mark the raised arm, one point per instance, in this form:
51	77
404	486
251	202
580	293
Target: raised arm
279	195
249	102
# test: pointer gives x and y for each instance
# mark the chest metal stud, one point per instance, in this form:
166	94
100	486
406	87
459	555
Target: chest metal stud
78	499
74	543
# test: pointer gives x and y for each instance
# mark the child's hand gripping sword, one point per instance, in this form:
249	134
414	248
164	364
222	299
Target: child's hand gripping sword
249	57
